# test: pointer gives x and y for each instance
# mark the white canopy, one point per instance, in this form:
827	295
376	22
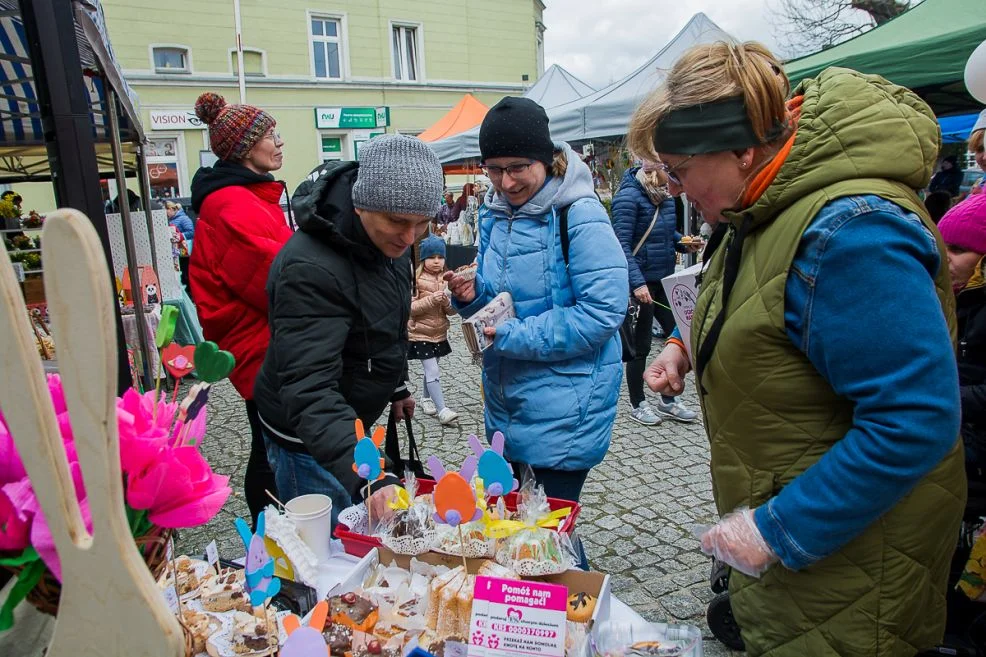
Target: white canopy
604	113
555	87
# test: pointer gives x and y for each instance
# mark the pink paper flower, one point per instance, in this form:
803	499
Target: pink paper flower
165	473
179	489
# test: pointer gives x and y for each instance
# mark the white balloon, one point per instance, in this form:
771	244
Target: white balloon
975	73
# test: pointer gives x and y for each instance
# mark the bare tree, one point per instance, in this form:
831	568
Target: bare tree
806	26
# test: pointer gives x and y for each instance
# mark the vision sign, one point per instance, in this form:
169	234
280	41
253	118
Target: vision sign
176	120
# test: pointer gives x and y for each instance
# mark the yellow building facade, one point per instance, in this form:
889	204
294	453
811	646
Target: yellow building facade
333	74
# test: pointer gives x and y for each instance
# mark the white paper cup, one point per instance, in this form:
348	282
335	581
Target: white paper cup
312	515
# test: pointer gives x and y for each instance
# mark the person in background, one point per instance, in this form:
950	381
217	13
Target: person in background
240	229
446	213
964	230
949	177
551	377
180	220
340	301
834	435
428	327
937	204
644	221
975	144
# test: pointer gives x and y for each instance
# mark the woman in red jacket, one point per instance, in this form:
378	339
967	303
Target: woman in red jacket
240	229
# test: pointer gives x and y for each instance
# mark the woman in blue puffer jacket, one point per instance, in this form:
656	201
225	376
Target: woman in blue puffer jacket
552	375
644	219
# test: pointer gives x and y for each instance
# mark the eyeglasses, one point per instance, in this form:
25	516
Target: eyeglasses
670	171
273	136
514	169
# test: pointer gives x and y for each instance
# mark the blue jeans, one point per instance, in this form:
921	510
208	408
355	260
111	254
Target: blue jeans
300	474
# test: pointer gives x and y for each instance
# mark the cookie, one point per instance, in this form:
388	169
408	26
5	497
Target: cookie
580	607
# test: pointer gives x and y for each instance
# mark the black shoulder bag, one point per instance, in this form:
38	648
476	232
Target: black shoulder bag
392	448
628	328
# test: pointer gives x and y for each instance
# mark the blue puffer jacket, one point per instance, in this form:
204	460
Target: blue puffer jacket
552	377
632	214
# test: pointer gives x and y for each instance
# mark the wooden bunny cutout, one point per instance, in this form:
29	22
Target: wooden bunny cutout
109	604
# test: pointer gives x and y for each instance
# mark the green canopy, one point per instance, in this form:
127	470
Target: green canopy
924	49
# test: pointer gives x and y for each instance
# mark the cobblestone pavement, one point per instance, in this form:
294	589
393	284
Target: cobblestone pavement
638	505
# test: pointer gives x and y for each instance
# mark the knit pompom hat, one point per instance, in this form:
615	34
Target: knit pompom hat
433	245
965	224
233	129
399	175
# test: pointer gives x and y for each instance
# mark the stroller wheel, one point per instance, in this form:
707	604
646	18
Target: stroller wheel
722	624
719	577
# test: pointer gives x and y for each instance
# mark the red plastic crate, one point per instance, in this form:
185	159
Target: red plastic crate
359	545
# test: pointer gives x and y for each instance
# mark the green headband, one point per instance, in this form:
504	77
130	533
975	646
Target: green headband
709	128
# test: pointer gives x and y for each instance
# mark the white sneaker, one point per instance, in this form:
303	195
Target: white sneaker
644	415
447	416
677	411
428	406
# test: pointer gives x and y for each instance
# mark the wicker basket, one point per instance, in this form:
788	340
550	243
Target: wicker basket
154	548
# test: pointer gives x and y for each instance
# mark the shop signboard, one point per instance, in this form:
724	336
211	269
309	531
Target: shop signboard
332	118
176	120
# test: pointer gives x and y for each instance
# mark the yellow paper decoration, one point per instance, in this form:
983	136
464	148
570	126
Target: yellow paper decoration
505	528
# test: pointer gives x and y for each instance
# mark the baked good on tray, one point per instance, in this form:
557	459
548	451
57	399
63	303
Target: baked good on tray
224	592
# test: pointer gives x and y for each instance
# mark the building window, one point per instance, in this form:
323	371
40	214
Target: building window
253	63
327	47
162	167
171	60
405	42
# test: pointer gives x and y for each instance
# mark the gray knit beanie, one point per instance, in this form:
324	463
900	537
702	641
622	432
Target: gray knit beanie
400	175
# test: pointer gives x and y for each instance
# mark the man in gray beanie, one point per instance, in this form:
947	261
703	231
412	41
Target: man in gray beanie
338	298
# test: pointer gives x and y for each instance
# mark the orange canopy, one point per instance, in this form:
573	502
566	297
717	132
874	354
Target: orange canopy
467	113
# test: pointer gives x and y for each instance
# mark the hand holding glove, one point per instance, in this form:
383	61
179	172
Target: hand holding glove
736	541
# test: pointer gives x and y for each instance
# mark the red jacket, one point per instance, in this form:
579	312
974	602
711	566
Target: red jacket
240	229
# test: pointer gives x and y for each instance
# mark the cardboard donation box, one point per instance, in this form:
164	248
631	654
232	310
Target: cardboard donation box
682	292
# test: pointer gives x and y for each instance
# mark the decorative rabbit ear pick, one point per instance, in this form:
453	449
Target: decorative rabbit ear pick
455	500
306	641
260	582
492	468
367	462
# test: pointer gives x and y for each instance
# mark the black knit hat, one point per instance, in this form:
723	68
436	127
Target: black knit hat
516	127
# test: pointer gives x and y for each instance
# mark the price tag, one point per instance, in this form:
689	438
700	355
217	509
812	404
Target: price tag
171	597
511	617
212	554
19	271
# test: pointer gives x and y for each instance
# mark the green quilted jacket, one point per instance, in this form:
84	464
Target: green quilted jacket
770	415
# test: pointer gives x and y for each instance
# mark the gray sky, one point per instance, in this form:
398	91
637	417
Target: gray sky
601	41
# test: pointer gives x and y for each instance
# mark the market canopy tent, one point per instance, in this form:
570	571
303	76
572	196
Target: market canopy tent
65	111
23	153
555	87
955	129
467	113
606	113
924	49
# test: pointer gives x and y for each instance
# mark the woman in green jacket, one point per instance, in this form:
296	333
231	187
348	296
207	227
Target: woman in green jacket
836	465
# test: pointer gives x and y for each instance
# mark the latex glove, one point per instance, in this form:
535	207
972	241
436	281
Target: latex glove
666	375
736	541
379	506
643	294
403	408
